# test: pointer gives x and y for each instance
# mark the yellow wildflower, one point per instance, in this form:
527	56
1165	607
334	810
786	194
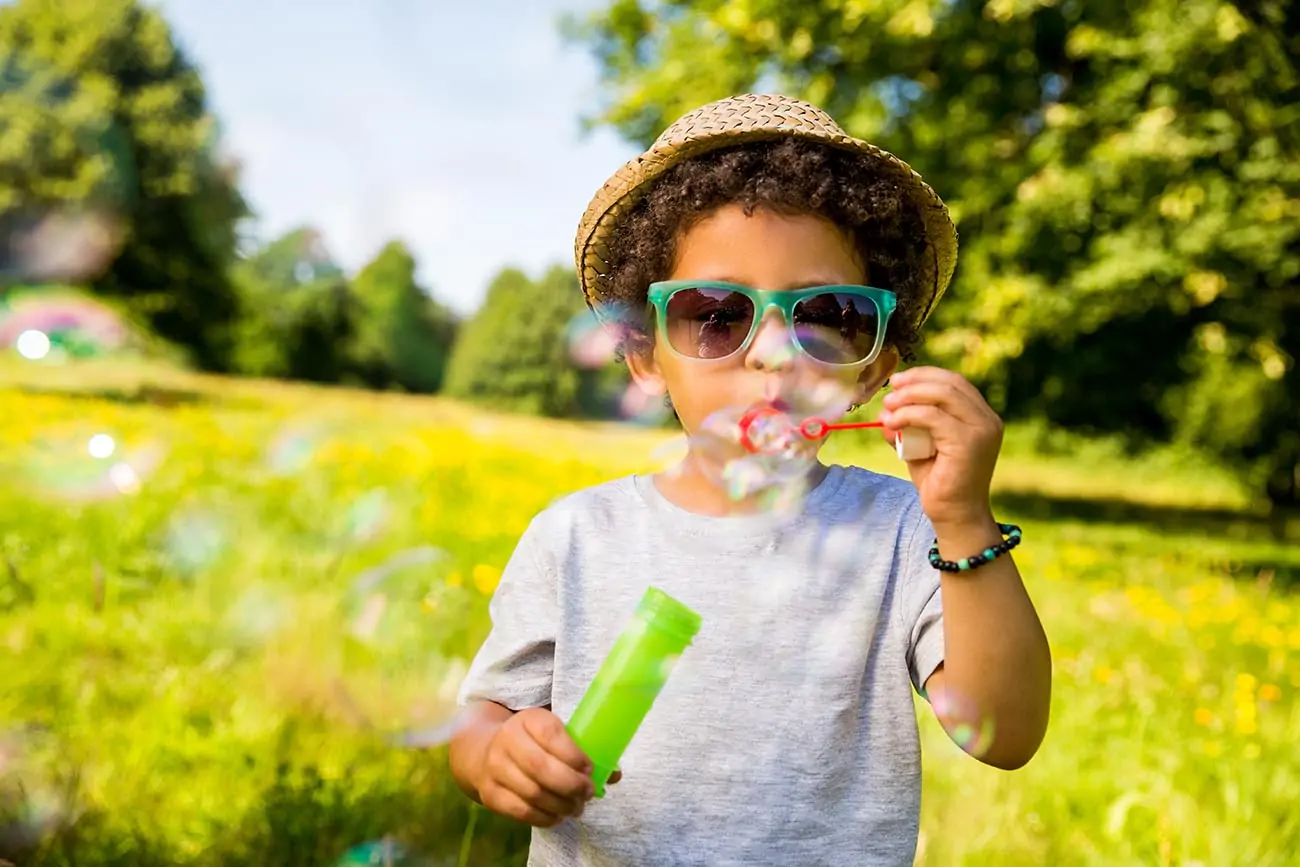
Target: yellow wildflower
1269	692
486	578
1203	717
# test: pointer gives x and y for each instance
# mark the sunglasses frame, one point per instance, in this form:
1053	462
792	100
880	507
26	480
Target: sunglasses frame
763	300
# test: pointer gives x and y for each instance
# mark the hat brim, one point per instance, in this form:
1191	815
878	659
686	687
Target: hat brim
739	120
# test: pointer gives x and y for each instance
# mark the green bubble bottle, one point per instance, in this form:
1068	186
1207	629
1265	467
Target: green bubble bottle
629	681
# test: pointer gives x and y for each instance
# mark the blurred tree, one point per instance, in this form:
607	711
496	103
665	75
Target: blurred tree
297	258
403	336
1125	178
123	134
514	354
297	312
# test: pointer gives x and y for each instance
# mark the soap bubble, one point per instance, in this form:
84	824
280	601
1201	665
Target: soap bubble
363	522
61	247
50	324
969	728
669	457
34	802
366	517
68	177
595	337
101	446
775	349
612	395
607	390
764	452
378	853
387	655
416	737
294	446
806	392
195	540
592	343
257	615
86	467
33	345
754	452
639	406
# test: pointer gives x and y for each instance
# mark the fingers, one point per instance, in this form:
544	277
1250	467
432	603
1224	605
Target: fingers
932	418
931	374
949	392
546	770
507	803
944	394
536	796
549	732
534	772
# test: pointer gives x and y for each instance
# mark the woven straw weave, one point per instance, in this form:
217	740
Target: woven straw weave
745	118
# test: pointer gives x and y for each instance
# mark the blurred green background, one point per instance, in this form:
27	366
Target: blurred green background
1125	178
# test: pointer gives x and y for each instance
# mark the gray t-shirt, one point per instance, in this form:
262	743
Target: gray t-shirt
787	732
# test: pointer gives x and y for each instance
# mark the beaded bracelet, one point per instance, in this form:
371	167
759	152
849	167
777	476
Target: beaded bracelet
1011	534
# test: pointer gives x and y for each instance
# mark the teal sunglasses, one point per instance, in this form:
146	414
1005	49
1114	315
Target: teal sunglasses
841	326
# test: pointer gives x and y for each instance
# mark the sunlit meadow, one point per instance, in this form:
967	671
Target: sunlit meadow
169	668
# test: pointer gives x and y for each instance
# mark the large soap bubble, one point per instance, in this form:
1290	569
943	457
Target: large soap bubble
68	177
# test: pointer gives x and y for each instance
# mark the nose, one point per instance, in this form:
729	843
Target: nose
773	347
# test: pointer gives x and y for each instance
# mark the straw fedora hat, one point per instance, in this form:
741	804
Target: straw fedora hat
746	118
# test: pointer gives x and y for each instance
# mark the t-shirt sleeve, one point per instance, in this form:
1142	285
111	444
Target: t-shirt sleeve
515	665
922	604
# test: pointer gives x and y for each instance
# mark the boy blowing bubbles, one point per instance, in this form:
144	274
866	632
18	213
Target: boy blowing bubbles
786	734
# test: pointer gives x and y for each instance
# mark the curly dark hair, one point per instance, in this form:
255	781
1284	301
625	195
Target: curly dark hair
790	176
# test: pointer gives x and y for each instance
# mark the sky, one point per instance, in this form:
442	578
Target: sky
454	127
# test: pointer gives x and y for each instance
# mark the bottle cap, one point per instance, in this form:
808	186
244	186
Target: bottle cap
914	444
668	614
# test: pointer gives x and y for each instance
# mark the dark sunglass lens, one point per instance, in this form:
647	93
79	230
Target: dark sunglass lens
708	323
837	327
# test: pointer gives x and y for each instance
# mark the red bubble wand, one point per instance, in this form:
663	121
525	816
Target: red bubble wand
912	443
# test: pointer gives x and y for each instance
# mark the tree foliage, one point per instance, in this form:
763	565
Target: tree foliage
103	113
403	337
1125	178
297	312
513	354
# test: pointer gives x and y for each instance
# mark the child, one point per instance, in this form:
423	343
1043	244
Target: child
787	732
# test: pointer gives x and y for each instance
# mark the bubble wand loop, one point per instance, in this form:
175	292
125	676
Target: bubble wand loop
912	444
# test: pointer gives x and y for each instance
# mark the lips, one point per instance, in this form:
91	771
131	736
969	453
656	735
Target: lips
777	403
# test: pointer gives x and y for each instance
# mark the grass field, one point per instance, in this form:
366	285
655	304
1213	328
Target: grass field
169	665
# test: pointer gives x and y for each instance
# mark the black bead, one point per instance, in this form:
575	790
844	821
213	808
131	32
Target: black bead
1012	538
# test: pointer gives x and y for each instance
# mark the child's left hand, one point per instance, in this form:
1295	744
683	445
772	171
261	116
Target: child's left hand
967	433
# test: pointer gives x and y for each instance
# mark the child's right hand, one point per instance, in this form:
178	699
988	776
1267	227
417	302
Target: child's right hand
534	772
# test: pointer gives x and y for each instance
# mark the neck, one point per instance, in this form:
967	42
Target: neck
688	486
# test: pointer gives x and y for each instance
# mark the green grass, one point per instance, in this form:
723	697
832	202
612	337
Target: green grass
164	712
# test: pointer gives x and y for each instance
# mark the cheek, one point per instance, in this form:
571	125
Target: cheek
697	390
814	380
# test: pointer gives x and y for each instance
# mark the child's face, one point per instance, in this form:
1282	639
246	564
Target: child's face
764	251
